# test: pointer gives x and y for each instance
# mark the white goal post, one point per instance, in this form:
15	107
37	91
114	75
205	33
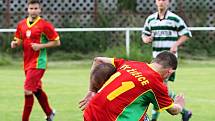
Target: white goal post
126	30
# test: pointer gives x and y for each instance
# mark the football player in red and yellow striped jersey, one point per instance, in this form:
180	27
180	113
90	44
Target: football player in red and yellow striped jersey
35	35
127	94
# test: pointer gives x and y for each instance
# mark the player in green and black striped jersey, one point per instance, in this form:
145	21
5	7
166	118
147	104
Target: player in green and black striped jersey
166	31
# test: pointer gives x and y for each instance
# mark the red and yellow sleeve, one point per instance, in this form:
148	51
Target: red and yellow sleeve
50	32
167	107
18	34
163	100
117	62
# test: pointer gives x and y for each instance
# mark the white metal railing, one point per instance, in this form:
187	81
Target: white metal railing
126	30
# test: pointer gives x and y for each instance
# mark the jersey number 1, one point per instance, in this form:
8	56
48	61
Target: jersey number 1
125	86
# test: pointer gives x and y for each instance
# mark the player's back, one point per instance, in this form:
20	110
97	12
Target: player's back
126	95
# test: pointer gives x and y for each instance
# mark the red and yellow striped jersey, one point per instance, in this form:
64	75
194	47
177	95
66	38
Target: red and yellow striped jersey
128	93
40	31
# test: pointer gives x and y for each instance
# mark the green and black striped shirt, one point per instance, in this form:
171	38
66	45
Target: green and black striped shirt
165	32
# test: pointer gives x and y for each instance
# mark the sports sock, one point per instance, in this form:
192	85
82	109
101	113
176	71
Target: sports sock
184	111
155	114
43	100
29	101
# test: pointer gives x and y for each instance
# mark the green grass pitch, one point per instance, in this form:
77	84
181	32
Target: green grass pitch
66	83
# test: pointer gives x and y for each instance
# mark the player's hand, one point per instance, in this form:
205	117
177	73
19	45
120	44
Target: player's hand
147	39
173	49
36	46
83	103
180	100
13	44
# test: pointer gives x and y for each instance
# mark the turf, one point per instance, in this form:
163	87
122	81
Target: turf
67	82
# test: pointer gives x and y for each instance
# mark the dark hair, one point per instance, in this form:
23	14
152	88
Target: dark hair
166	59
101	73
33	2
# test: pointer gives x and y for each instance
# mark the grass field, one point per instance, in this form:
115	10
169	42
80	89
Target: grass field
67	82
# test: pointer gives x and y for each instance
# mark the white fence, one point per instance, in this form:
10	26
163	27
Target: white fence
126	30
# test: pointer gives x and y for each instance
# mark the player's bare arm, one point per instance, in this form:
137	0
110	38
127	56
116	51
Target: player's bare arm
147	39
92	91
50	44
83	103
97	61
179	103
101	70
179	42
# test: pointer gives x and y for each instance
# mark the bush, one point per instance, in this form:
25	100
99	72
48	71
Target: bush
138	52
60	55
5	60
84	42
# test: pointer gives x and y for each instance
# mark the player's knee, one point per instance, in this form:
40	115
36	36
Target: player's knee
28	92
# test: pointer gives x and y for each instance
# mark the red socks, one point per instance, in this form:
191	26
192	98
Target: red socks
29	101
43	100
